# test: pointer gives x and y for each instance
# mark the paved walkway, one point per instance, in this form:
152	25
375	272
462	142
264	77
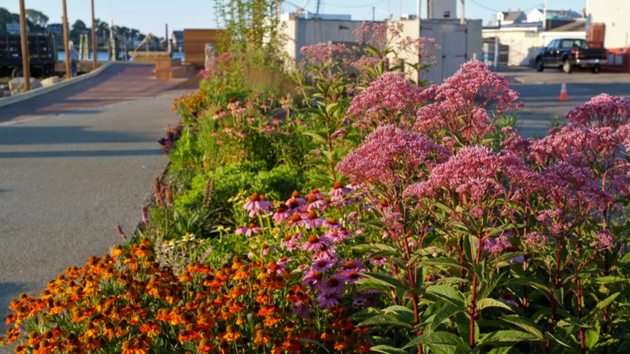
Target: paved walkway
67	179
120	82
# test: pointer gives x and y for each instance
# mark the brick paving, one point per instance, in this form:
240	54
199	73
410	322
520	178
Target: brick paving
121	82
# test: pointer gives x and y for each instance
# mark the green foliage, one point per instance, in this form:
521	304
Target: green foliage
277	183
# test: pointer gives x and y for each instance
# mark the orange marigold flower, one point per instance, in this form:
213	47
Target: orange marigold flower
205	346
232	333
262	337
277	348
363	346
292	344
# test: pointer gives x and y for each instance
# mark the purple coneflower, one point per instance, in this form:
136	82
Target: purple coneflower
316	193
241	134
353	264
378	260
251	119
214	133
228	130
299	309
338	192
337	235
297	197
322	265
353	186
283	261
331	223
333	285
312	220
276	121
257	204
363	301
241	230
351	276
315	203
252	229
282	213
327	300
314	243
218	142
507	298
312	278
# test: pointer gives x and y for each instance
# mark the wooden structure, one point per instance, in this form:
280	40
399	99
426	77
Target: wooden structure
195	45
172	68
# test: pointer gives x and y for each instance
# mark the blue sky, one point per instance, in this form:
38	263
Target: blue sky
151	15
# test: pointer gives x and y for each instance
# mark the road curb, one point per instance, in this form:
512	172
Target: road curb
42	90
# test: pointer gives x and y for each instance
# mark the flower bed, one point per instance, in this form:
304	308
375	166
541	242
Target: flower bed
362	213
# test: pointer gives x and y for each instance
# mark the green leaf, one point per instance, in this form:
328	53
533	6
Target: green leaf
403	312
441	262
443	338
488	302
602	304
523	323
591	337
447	293
505	336
385	279
443	315
385	320
386	349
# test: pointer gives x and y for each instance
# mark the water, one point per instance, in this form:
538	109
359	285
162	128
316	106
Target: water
103	56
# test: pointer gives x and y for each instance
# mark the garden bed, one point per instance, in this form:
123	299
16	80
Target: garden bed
361	213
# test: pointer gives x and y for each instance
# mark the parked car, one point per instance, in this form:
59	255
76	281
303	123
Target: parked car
569	53
42	52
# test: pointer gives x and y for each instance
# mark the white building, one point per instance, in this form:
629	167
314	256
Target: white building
537	15
442	9
511	17
613	15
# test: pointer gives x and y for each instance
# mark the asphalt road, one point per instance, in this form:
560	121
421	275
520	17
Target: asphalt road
540	93
67	180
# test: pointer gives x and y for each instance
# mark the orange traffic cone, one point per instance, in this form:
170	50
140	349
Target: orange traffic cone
563	92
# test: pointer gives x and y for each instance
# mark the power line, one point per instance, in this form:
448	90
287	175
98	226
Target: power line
483	6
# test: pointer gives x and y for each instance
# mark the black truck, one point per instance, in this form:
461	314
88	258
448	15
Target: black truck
569	53
42	52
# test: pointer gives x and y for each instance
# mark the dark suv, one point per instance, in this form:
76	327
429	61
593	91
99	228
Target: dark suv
568	53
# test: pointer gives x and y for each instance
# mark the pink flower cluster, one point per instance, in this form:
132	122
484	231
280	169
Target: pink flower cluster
217	67
321	53
459	104
602	111
389	154
387	100
474	171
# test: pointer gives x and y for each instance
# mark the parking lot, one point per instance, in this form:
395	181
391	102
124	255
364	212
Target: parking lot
540	92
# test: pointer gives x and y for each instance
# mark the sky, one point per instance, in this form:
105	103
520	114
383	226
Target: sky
150	16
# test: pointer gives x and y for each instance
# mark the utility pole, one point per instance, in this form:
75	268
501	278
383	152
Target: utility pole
94	59
463	22
429	9
545	16
400	9
317	12
373	13
26	60
112	43
418	9
165	37
66	45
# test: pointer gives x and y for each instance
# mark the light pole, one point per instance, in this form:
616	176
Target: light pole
66	45
94	60
26	62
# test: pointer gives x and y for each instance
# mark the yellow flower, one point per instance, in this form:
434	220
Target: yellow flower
232	334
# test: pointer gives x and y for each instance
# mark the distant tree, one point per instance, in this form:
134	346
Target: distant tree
7	17
37	17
